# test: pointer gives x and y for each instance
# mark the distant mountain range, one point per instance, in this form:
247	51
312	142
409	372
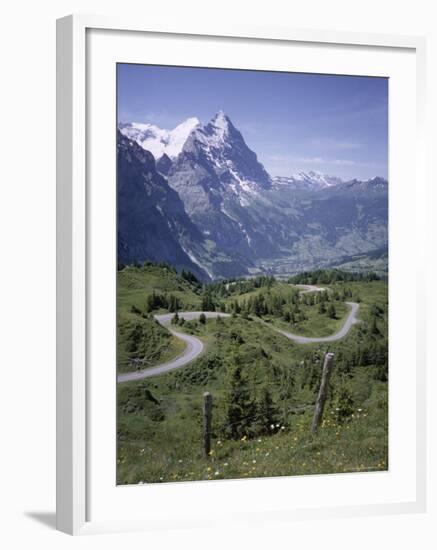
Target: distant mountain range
198	198
310	181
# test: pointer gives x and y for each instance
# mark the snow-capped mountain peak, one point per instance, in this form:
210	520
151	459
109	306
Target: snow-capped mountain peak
179	136
221	122
219	145
219	132
234	218
313	180
377	180
318	177
160	141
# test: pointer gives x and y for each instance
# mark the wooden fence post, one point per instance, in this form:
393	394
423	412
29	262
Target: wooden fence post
323	391
207	415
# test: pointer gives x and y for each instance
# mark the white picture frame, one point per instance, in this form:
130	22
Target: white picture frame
74	394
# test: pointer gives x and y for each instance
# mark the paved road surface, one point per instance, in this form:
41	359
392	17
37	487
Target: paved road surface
195	346
350	320
193	349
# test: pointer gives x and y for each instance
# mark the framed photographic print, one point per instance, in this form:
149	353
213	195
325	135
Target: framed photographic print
240	328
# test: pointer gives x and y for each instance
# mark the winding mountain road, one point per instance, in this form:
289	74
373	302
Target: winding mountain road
350	320
195	346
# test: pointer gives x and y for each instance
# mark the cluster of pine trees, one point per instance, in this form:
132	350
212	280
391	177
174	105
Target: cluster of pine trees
246	415
235	287
145	265
157	300
177	320
190	277
208	301
250	413
288	308
331	276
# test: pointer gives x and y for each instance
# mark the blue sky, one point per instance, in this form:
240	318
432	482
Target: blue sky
337	125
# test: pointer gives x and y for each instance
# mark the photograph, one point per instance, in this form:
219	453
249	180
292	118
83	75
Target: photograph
252	273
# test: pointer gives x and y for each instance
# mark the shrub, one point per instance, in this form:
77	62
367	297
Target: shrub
344	404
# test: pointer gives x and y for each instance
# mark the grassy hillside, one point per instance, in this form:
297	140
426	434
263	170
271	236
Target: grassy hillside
142	291
263	385
135	284
296	312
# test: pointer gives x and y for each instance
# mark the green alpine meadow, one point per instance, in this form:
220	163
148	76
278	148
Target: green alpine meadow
263	385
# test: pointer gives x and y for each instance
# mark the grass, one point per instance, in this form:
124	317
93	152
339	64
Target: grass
139	336
159	419
315	324
175	455
135	284
144	339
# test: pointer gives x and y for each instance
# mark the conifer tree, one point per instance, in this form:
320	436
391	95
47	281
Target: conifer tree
344	404
267	413
240	407
331	313
207	302
287	386
175	319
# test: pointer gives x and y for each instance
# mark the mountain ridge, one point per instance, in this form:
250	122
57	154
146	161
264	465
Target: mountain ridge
159	141
254	223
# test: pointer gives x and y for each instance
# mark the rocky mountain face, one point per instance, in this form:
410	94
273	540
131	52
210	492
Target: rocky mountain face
163	164
219	178
226	213
152	222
